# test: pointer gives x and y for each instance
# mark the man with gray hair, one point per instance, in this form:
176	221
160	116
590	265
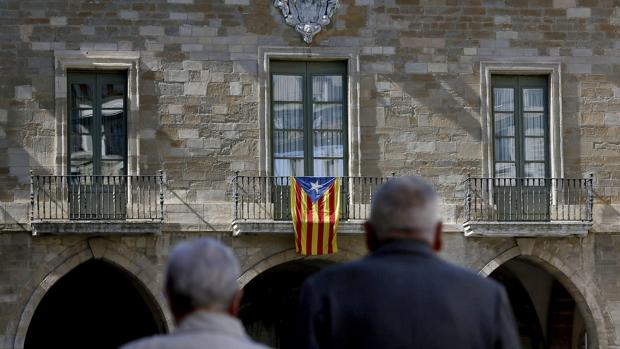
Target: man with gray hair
402	295
204	297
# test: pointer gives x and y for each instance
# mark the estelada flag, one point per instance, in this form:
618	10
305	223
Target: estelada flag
315	208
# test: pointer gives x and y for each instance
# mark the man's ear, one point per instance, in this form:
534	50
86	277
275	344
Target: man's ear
235	305
438	242
371	237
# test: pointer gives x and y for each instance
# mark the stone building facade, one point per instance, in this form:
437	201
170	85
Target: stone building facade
421	86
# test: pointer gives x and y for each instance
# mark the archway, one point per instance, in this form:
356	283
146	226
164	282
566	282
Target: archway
269	305
96	305
546	314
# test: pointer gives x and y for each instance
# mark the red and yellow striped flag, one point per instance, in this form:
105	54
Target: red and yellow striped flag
315	208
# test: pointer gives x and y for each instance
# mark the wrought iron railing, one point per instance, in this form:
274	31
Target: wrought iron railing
268	198
77	197
528	199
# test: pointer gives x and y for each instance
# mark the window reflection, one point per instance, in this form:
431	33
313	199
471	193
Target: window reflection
97	125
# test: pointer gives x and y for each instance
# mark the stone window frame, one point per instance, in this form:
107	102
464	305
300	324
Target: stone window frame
551	69
96	60
351	56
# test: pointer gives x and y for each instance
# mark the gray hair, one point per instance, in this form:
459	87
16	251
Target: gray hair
201	273
404	205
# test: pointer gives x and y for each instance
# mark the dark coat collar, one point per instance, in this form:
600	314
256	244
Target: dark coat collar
404	246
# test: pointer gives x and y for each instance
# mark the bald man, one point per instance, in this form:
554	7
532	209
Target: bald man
402	295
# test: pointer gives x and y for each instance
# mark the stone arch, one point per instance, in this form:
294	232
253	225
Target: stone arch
137	266
574	281
288	255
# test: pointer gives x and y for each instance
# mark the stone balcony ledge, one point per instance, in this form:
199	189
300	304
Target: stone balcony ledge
260	227
526	229
98	227
249	227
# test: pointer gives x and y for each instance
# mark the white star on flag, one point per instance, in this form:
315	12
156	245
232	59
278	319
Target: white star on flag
315	186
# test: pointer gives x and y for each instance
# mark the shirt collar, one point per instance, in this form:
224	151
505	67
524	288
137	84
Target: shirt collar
209	321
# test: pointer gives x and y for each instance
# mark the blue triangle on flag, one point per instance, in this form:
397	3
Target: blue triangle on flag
315	187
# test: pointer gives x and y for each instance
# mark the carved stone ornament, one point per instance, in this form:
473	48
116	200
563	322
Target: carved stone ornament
307	16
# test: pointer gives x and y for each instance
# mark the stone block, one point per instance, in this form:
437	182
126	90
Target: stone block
185	133
175	109
154	46
388	50
176	75
421	147
3	116
612	119
129	15
502	20
236	88
578	12
191	47
564	3
151	30
237	2
380	67
195	88
192	65
437	68
23	92
220	109
423	42
58	21
147	133
179	16
41	46
578	68
582	52
87	30
507	34
469	150
470	51
180	1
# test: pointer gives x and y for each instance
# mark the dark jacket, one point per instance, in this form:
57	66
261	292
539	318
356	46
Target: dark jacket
404	296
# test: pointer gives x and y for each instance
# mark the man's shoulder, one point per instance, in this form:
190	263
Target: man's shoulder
188	341
440	269
460	274
147	343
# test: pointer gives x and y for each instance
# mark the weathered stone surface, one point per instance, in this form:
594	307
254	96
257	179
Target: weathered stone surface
198	117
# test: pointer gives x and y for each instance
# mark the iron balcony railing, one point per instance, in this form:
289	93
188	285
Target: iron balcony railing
116	198
268	198
528	199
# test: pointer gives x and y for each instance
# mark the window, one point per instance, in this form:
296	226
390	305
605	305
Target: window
97	123
520	128
308	118
520	123
97	137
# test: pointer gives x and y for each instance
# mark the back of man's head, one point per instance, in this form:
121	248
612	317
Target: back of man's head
201	274
404	207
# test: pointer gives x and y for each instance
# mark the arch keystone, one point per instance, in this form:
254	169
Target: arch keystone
526	245
98	247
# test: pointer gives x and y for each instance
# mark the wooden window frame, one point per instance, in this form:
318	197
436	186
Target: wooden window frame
518	83
96	79
308	70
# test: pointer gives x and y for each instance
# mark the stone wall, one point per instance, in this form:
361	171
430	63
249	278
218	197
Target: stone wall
198	118
198	81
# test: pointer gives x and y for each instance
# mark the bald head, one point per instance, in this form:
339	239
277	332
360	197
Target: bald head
405	207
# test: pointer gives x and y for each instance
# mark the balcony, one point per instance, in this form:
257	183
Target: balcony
527	206
76	204
262	204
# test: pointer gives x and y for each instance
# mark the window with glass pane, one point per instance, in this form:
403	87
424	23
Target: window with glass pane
98	123
308	107
520	126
